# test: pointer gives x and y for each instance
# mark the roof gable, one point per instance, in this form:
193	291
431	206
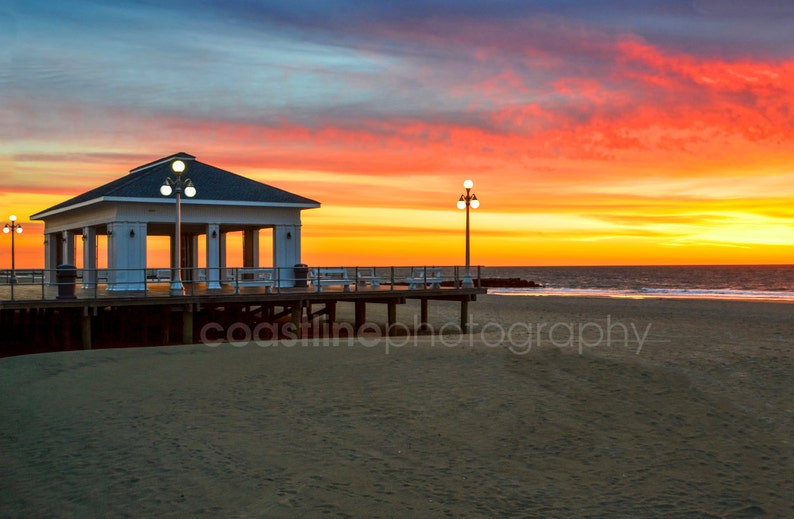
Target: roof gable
212	184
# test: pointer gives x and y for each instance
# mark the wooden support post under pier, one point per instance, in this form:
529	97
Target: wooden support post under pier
31	319
49	318
392	320
330	308
297	312
85	328
66	329
361	314
423	314
144	314
187	325
464	316
165	336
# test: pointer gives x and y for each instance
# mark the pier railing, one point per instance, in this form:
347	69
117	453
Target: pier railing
52	284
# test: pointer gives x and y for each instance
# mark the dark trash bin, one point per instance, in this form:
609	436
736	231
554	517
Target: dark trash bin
301	273
66	277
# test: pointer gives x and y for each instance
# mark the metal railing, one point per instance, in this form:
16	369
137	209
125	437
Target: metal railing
50	284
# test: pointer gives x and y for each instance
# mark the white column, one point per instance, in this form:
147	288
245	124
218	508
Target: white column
51	249
68	247
89	257
286	250
213	256
127	256
222	255
112	255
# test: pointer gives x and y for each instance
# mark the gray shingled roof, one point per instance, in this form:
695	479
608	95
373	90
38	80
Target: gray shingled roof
211	183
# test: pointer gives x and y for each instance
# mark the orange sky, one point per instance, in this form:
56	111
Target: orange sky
606	144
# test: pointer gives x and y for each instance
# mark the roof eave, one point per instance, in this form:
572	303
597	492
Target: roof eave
288	205
201	201
51	212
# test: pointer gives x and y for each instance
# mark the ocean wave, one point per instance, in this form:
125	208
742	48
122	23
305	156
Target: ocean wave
648	293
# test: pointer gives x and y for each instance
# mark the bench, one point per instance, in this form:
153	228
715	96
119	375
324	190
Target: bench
323	277
151	274
25	277
251	277
423	276
366	277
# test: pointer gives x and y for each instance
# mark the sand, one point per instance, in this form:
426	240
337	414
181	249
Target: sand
507	421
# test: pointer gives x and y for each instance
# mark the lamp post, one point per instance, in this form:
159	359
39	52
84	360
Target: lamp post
178	185
465	202
13	228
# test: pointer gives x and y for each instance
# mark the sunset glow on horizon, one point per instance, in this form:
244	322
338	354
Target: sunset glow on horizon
595	135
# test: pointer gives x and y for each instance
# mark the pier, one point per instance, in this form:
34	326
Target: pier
128	303
39	316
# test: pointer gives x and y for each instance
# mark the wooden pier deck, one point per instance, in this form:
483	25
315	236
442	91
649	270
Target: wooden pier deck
34	318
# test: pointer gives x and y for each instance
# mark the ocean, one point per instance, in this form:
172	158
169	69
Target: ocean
743	282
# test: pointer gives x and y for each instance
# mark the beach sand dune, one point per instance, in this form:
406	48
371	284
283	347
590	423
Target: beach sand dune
504	422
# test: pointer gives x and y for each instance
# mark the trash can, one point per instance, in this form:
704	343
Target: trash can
65	277
301	274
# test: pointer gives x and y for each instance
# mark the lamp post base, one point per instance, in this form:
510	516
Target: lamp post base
177	289
467	282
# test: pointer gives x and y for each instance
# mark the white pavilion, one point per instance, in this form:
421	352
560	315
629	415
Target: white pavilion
131	208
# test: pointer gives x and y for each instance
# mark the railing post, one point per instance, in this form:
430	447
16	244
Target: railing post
392	279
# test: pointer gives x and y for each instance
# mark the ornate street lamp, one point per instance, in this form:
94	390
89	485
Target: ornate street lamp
466	201
178	185
13	228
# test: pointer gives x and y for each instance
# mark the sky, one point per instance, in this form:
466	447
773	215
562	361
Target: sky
614	132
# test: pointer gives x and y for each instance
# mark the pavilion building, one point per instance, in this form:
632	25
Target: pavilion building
130	209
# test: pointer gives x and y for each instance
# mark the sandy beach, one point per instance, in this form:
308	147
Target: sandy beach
551	407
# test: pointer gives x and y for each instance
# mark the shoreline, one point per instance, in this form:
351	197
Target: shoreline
749	296
697	423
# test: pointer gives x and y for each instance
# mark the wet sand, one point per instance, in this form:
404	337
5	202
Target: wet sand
548	409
